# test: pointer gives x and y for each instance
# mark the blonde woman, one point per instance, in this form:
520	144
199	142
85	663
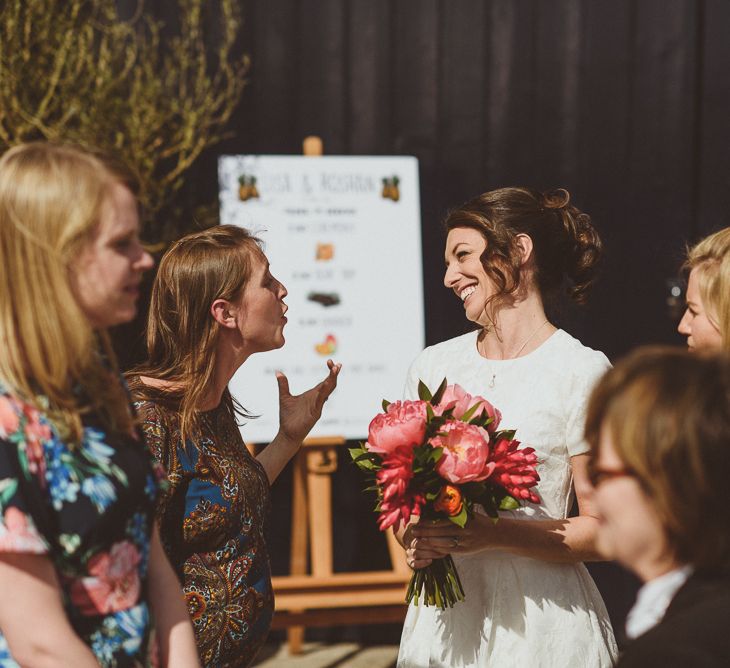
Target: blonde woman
214	304
78	546
706	322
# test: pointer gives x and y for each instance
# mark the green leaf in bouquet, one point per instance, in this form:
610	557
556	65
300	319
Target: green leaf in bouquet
356	452
436	399
367	461
467	416
435	454
424	394
461	518
429	413
508	503
434	424
481	421
509	434
386	403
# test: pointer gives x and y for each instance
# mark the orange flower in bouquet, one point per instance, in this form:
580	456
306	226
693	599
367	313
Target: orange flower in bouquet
440	458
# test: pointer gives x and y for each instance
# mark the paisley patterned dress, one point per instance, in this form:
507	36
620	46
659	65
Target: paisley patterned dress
211	520
89	508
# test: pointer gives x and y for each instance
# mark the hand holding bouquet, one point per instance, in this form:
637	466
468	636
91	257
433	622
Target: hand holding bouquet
438	458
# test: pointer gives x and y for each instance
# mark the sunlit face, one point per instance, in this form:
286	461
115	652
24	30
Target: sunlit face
465	273
106	274
629	528
696	324
261	317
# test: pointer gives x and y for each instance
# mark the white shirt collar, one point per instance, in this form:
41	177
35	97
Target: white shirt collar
653	600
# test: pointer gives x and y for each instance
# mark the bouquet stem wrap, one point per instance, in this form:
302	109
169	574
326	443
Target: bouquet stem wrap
437	584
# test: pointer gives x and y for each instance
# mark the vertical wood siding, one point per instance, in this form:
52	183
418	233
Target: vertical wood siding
623	102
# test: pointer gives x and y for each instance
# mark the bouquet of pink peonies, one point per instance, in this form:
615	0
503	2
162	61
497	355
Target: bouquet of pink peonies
438	458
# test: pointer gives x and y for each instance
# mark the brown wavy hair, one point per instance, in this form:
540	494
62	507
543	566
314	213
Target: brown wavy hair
51	196
182	335
566	246
668	413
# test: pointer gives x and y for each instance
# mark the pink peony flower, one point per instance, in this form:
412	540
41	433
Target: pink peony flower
18	533
465	454
403	425
460	401
514	469
114	583
9	420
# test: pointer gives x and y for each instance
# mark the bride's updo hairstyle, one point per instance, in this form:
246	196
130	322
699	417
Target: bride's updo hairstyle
566	246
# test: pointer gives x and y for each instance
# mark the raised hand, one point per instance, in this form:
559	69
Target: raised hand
299	413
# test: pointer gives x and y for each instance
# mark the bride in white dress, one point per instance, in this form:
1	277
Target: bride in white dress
529	598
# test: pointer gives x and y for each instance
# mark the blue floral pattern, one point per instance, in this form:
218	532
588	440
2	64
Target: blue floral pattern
89	509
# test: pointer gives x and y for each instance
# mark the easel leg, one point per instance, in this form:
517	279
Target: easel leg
321	464
299	533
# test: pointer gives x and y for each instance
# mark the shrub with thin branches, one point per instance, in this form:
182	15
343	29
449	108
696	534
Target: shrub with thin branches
77	71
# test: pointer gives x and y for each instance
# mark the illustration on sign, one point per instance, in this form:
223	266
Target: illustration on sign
324	298
391	189
247	187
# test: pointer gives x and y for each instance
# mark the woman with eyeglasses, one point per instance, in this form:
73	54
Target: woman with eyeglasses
659	427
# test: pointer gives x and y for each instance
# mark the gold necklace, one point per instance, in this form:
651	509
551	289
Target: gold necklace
493	379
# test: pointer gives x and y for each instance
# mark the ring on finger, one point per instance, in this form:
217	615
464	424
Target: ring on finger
454	542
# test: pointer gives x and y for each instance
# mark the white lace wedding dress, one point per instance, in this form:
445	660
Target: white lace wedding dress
519	611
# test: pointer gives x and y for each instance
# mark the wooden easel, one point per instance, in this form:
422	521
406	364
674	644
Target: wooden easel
322	597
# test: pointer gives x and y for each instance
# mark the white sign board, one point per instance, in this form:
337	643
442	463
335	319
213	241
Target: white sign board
343	234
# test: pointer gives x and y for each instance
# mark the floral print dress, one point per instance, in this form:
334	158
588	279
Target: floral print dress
211	519
89	509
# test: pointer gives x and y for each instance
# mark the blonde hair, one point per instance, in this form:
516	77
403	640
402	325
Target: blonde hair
711	258
668	414
50	199
182	335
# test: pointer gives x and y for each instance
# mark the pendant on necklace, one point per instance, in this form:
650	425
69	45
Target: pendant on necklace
491	382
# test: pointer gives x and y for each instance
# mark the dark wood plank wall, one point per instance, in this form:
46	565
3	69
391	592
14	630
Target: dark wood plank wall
712	176
623	102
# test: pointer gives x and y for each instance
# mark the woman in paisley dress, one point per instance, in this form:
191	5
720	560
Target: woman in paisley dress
529	599
215	303
79	550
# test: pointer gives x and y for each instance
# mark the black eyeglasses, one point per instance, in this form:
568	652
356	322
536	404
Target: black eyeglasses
597	475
